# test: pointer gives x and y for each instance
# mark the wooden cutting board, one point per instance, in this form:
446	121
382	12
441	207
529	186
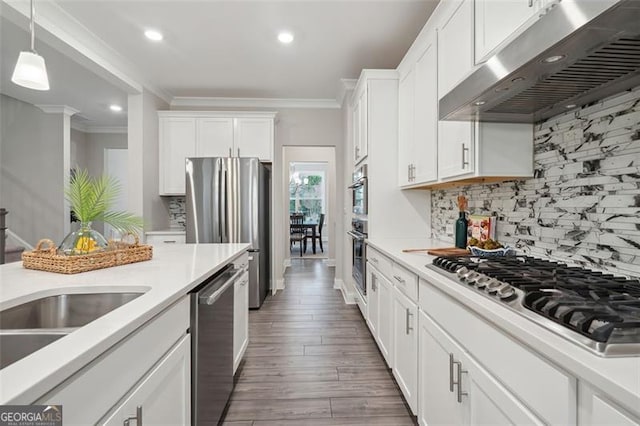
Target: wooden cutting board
446	251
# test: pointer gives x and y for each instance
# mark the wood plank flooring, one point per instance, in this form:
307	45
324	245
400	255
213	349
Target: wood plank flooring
311	361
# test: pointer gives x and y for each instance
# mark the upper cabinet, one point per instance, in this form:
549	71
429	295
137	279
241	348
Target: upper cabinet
186	134
418	119
498	22
360	124
433	152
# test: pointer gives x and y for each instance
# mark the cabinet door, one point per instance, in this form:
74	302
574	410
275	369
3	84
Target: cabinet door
499	20
438	402
425	141
254	138
164	395
456	148
385	318
215	137
405	347
177	142
364	123
356	131
596	409
455	45
373	300
406	94
240	319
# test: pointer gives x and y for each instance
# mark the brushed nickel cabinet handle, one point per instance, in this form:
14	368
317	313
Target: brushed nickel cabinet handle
450	372
408	322
530	3
459	381
464	162
230	153
399	279
137	418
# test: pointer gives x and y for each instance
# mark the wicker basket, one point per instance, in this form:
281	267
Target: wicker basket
119	253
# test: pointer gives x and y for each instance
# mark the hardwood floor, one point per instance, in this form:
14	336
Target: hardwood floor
312	361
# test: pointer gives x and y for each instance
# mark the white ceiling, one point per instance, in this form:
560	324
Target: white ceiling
71	84
220	48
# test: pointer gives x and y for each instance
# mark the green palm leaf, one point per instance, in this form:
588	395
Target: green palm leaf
92	198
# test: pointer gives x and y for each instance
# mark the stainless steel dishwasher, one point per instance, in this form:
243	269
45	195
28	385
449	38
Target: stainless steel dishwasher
212	346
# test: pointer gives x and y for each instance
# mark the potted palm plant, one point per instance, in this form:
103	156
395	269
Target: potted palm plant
91	199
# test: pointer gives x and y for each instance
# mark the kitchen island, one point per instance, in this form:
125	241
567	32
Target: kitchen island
164	281
502	355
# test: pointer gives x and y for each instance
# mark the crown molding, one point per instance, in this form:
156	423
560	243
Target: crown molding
346	85
99	129
220	102
217	114
58	109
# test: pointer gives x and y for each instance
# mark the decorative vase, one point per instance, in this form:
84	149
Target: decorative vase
85	240
461	231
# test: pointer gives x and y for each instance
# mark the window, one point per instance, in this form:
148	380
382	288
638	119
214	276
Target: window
307	193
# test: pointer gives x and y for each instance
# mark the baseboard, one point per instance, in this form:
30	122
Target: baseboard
286	263
339	284
330	262
280	284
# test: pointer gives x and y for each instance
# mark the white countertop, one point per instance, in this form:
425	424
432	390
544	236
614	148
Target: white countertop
617	377
170	275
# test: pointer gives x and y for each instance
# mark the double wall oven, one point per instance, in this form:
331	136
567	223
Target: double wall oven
358	232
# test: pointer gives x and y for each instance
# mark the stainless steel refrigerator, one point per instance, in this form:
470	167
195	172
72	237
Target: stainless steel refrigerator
229	201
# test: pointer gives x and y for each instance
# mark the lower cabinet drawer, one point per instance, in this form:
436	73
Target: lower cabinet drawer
405	281
547	391
91	392
380	261
158	239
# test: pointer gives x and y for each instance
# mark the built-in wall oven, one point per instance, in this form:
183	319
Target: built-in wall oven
359	191
358	235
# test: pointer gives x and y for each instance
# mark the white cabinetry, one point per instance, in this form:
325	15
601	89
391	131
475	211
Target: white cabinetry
596	409
209	134
468	150
177	142
240	319
163	396
360	124
405	347
169	237
455	389
140	362
379	312
418	119
373	300
215	137
499	21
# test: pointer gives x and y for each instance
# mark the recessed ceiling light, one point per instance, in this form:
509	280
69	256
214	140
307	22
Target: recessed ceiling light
115	108
285	37
478	103
501	89
153	35
518	79
554	58
570	106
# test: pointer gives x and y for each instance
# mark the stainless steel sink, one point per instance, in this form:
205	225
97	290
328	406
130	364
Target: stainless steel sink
15	346
63	310
33	325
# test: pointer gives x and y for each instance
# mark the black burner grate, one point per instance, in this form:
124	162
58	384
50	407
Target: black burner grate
598	305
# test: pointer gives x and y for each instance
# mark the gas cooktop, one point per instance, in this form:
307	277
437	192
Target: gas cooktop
595	310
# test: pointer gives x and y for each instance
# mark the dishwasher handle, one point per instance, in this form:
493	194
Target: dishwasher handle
211	299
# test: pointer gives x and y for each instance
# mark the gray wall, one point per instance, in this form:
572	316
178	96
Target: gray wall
87	152
32	170
583	204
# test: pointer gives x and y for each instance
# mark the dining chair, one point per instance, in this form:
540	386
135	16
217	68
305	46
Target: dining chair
297	232
318	235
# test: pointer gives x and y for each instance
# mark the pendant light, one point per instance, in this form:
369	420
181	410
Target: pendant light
30	70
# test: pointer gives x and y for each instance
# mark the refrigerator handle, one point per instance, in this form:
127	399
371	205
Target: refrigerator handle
222	190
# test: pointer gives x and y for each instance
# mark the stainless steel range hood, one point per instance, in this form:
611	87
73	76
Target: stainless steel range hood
600	49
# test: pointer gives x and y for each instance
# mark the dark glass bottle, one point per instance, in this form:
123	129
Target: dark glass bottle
461	231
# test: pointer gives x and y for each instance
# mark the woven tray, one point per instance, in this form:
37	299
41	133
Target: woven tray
118	253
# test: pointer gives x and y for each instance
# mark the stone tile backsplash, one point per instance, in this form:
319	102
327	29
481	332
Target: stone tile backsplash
177	214
583	204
